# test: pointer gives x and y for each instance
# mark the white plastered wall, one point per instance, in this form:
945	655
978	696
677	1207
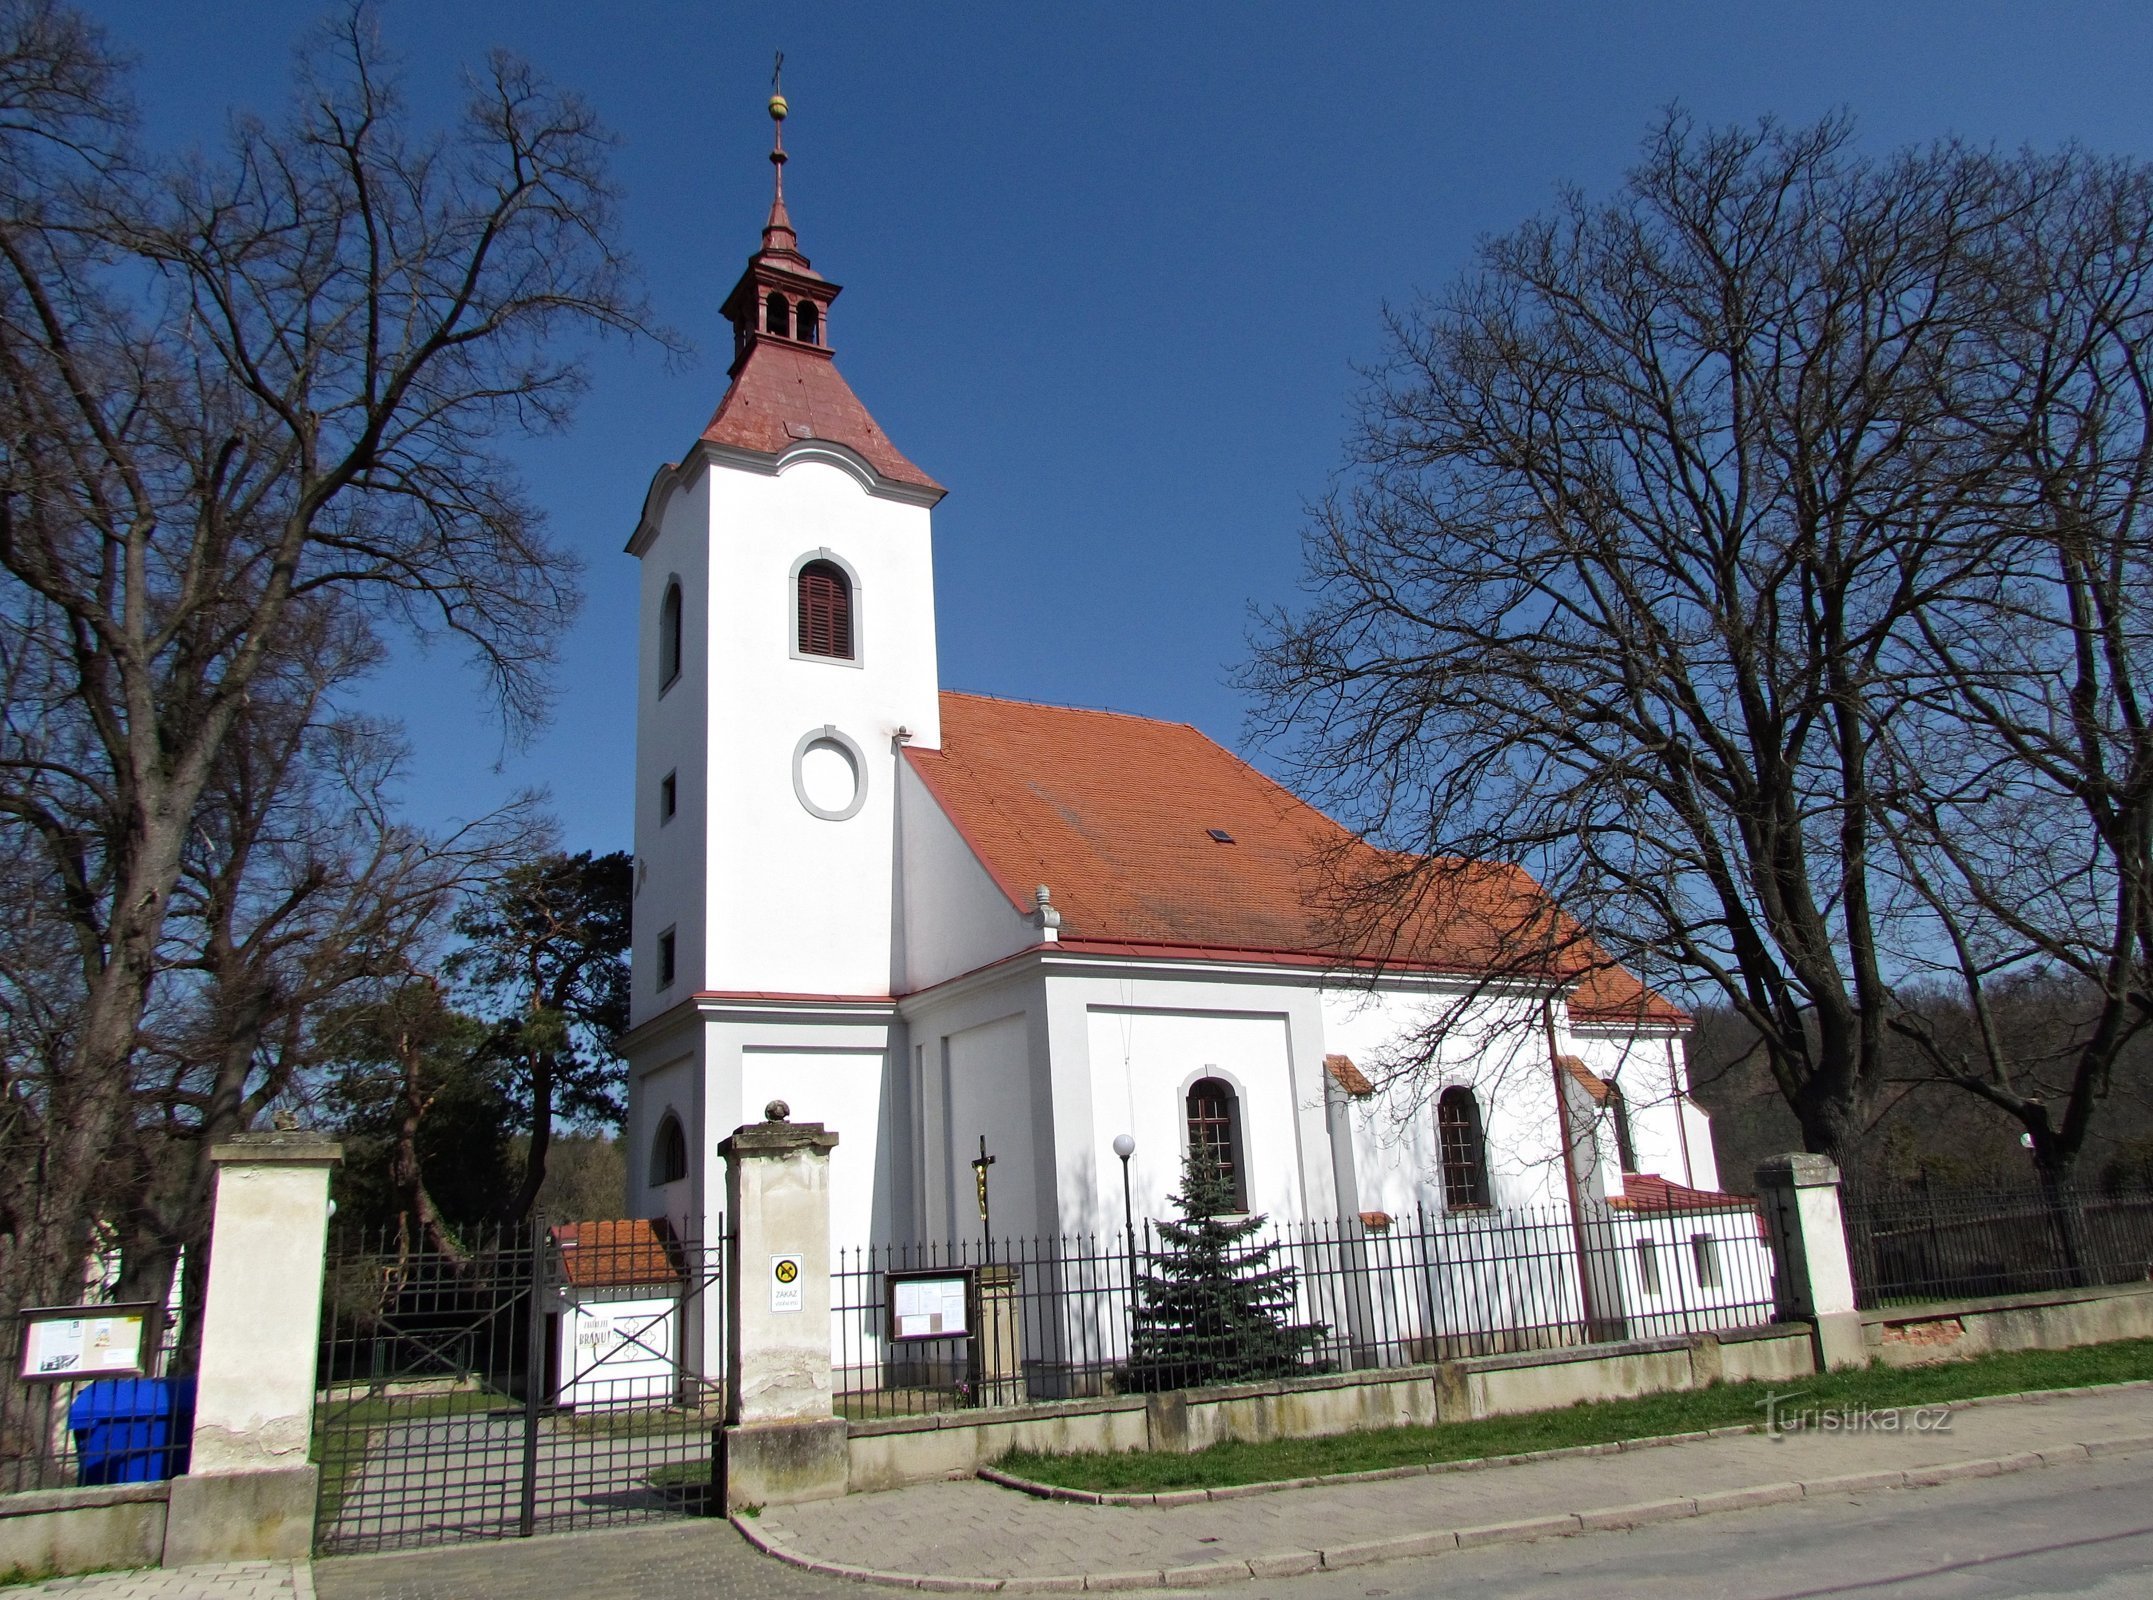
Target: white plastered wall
829	1066
956	918
979	1068
1670	1134
763	895
1494	1045
1126	1048
670	737
799	903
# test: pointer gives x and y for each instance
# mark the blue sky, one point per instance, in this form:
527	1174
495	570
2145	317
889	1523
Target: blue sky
1108	267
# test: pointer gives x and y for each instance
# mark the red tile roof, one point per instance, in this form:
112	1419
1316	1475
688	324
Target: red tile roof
1643	1192
1347	1076
611	1255
1114	814
1594	1084
785	392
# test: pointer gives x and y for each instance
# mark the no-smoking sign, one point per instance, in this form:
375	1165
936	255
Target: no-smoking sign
785	1283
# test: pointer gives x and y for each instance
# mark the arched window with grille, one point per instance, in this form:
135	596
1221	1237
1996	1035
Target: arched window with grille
668	1152
1464	1150
825	606
669	637
1214	1112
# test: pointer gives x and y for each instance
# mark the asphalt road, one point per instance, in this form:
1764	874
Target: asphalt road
2083	1531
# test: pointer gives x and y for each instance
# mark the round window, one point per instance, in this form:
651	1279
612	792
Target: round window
828	775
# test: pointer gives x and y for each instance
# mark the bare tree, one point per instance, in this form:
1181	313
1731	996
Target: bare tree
1629	584
233	388
2021	798
301	892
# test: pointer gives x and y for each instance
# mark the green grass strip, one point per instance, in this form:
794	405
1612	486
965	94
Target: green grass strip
1589	1422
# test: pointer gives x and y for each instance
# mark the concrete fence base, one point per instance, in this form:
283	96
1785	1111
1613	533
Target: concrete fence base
51	1532
1956	1330
890	1452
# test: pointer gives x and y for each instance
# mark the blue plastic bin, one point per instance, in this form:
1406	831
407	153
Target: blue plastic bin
132	1430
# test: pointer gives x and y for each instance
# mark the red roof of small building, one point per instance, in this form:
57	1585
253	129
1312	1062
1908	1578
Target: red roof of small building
617	1254
1643	1192
1349	1078
1593	1083
1122	818
785	392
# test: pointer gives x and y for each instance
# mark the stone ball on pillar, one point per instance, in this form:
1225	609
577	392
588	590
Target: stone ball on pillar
776	1111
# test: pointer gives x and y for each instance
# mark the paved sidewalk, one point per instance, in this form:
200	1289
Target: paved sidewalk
970	1535
228	1580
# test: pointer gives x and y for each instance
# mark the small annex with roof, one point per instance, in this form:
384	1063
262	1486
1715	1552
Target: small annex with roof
613	1313
928	918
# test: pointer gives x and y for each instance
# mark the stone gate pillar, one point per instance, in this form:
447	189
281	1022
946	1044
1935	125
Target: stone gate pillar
249	1490
782	1441
1813	1277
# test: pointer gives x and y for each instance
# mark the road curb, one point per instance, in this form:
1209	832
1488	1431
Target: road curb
1291	1563
1187	1497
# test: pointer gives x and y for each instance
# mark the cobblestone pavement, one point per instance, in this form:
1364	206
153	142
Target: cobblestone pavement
229	1580
698	1560
971	1529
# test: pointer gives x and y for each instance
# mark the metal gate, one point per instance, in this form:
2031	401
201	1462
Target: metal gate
537	1379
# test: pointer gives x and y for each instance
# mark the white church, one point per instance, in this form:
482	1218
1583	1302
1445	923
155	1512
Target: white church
929	919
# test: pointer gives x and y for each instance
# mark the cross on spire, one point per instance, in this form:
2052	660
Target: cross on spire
780	296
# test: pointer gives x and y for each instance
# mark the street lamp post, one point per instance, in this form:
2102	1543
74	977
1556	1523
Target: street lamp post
1125	1147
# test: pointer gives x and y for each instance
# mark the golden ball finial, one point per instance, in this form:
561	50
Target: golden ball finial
777	108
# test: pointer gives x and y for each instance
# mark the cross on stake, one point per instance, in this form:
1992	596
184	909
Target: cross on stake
979	1178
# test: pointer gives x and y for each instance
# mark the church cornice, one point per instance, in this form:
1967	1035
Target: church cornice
676	475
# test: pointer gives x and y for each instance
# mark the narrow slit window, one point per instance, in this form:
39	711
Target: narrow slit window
1648	1266
669	636
668	796
665	959
1705	1249
1619	1113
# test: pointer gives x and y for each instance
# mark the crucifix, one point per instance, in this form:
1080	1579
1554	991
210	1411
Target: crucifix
979	1179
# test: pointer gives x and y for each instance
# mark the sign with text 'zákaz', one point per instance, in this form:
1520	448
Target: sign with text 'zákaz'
785	1288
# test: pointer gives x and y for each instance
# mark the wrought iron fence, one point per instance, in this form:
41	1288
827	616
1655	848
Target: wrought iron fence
106	1425
919	1328
528	1379
1910	1243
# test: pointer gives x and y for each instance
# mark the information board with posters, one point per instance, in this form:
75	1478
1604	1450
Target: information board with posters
62	1343
930	1305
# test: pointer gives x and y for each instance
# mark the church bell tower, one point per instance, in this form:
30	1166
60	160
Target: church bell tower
786	655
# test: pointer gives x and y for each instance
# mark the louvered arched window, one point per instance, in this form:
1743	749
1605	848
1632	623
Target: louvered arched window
1464	1150
1215	1126
825	611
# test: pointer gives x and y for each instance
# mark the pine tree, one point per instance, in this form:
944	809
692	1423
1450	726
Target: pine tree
1211	1307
